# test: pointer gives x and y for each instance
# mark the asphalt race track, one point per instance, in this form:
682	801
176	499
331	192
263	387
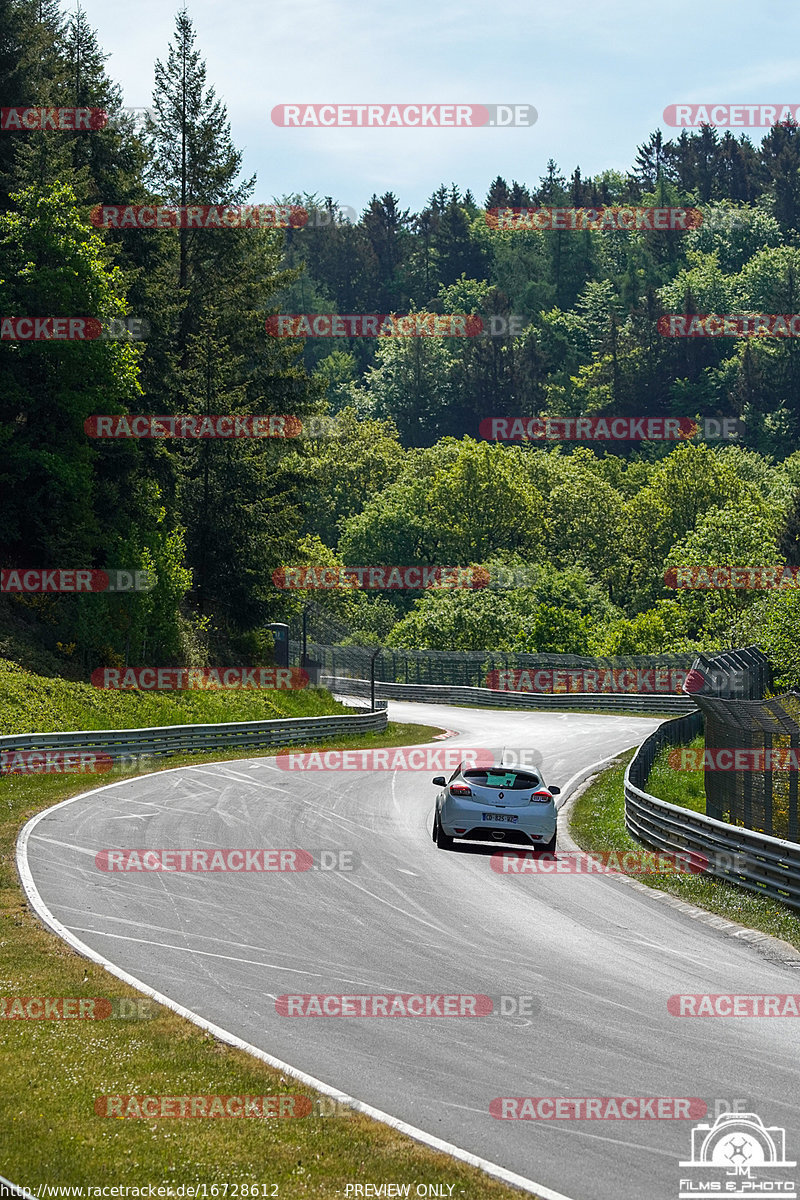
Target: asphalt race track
601	958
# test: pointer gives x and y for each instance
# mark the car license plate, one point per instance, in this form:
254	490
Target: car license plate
498	817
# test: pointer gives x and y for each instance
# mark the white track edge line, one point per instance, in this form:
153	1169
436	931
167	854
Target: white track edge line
418	1135
16	1190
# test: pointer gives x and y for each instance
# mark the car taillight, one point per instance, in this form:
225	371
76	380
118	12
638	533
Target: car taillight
460	789
541	797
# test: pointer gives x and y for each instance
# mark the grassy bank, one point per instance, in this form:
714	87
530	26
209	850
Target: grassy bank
41	704
684	788
598	823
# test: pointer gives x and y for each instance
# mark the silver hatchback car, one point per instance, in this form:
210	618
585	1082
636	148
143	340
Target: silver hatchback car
495	804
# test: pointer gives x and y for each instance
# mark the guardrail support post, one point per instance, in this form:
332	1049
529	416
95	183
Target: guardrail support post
372	679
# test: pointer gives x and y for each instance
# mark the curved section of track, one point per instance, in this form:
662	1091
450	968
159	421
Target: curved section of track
600	958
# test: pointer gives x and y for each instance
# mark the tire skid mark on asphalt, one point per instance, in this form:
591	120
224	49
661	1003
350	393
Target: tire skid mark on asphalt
403	896
321	808
382	985
571	1130
332	964
404	912
229	819
166	894
82	912
121	937
647	944
128	816
40	837
239	777
145	896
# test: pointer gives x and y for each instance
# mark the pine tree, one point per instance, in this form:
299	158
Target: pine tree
580	191
12	86
468	203
192	156
780	159
552	186
39	158
438	201
706	154
498	195
457	252
653	161
111	159
520	197
386	227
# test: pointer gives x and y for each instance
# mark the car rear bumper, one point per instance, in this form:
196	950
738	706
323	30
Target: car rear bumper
507	835
530	829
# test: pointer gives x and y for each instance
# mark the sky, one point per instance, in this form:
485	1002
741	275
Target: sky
598	74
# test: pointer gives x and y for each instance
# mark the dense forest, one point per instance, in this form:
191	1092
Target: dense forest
403	475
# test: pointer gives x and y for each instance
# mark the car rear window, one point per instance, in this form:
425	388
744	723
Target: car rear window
511	781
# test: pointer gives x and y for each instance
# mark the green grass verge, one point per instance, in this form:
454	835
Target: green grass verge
52	1071
685	788
597	823
39	704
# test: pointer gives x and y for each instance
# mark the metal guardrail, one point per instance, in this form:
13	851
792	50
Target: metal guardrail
432	693
171	739
765	865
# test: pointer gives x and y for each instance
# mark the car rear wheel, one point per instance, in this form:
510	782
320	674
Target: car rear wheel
549	847
440	837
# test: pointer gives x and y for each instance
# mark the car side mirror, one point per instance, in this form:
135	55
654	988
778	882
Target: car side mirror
440	781
555	791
